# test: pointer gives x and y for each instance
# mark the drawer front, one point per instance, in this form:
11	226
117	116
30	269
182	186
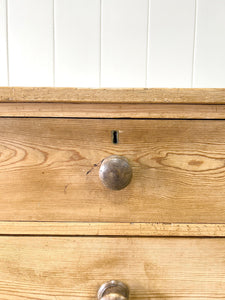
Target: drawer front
74	268
49	170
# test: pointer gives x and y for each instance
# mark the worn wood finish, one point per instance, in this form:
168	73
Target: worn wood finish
74	268
49	170
110	110
152	95
112	229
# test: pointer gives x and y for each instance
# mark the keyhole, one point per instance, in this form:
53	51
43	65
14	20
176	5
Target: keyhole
115	137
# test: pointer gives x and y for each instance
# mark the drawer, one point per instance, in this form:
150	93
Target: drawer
74	267
49	170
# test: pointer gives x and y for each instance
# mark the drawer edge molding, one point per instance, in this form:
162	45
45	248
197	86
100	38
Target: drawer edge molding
111	229
113	111
107	95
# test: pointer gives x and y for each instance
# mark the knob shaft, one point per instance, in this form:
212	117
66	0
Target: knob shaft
115	172
113	290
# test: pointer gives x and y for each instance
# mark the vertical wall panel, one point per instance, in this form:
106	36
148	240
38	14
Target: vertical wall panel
3	44
209	68
171	35
124	43
77	43
30	29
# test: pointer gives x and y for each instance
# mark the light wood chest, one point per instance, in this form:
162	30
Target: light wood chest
63	233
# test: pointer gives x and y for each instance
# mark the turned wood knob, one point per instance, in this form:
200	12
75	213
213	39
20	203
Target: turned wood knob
113	290
115	172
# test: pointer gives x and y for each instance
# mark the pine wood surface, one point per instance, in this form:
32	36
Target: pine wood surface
111	229
49	170
112	110
129	95
50	268
57	221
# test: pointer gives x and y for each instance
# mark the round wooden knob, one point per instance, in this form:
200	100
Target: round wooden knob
115	172
113	290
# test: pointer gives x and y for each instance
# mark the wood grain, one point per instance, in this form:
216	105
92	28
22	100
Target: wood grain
152	95
49	170
112	229
110	110
73	268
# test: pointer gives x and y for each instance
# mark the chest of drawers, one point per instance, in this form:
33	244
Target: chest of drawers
64	233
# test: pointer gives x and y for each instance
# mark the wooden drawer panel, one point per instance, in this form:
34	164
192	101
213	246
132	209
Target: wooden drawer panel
74	268
49	170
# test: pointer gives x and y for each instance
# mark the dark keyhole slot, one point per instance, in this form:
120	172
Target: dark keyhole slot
115	137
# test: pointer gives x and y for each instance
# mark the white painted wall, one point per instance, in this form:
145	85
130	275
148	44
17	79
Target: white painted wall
112	43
